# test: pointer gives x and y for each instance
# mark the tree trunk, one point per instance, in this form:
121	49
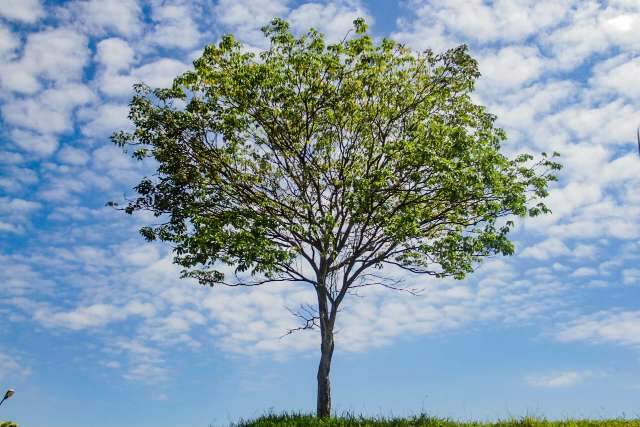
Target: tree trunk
327	318
324	368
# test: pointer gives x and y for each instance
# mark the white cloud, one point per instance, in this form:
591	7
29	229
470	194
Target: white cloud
73	156
620	75
559	380
58	55
244	18
519	111
167	310
550	248
604	219
103	120
421	35
631	276
582	162
44	116
238	13
8	43
17	207
16	78
178	323
622	170
585	252
12	368
484	22
584	272
15	213
28	11
174	26
61	188
510	67
612	122
333	18
160	73
114	54
20	278
93	316
380	316
138	255
116	85
592	28
38	116
98	17
145	362
112	364
136	285
6	227
16	178
110	157
612	326
31	142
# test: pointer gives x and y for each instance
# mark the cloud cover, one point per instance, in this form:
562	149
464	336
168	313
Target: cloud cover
561	76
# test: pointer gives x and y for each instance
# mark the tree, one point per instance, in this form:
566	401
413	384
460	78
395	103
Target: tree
322	164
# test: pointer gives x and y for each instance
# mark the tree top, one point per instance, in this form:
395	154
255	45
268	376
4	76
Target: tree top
310	160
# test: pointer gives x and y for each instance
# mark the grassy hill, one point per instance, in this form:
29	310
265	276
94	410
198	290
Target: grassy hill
293	420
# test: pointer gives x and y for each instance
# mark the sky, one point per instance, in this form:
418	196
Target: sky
98	330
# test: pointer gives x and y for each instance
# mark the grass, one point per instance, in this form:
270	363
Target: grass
301	420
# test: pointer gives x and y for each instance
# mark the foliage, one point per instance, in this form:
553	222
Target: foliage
298	420
320	163
8	424
348	156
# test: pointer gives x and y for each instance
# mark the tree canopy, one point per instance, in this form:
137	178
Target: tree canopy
320	164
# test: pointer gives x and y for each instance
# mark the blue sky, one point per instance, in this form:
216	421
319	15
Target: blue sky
98	329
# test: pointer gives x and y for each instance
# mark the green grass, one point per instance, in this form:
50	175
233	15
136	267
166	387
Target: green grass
300	420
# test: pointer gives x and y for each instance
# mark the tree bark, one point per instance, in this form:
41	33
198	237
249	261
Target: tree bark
324	382
327	319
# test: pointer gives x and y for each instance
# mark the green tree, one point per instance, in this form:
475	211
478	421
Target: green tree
320	164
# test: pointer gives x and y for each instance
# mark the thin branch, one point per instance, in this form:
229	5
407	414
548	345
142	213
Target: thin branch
307	314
